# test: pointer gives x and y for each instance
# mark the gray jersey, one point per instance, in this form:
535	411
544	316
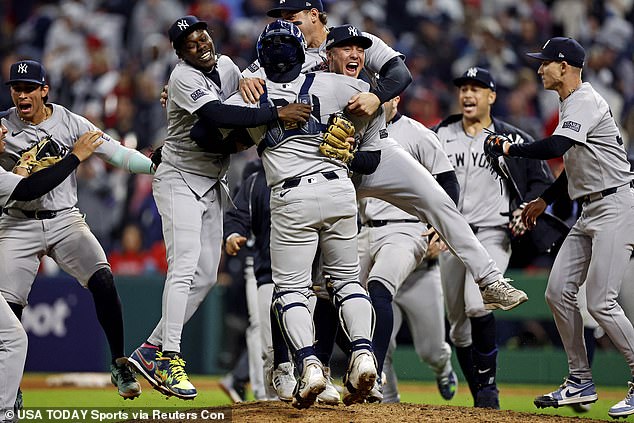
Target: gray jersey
188	90
8	182
301	155
423	144
600	161
483	195
64	127
376	56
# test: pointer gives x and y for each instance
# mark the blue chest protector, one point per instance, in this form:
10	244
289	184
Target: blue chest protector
277	132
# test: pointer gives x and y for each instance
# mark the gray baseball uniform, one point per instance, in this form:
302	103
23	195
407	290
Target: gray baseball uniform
187	191
599	246
389	253
313	204
483	197
25	236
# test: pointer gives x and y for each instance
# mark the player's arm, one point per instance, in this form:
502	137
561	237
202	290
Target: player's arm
125	158
548	148
45	180
217	114
449	182
237	221
535	208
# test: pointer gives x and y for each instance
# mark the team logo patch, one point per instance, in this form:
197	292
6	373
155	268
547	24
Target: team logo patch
253	67
571	125
197	94
383	133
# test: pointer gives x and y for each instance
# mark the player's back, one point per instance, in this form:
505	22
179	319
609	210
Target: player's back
293	150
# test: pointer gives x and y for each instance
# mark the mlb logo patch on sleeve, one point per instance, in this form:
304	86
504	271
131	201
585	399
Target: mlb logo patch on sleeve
571	125
383	133
253	67
197	94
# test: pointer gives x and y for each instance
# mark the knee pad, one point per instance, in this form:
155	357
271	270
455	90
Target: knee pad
342	294
283	302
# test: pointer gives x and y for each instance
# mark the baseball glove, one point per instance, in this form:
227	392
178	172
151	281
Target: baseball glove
493	145
157	156
336	144
40	155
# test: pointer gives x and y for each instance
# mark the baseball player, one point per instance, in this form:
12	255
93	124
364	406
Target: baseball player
485	202
396	176
55	227
13	338
392	246
311	19
187	190
598	248
313	204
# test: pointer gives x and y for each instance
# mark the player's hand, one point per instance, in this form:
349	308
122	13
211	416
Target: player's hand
234	243
516	225
251	89
294	112
87	144
164	96
532	211
435	245
363	104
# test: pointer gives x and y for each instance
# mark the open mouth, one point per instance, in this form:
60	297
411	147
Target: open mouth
352	68
25	108
468	107
205	56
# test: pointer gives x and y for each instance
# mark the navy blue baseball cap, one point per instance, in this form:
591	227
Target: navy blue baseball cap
183	27
346	35
27	71
276	12
475	74
562	49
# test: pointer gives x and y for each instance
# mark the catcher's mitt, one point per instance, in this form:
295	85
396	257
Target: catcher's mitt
336	144
41	155
493	145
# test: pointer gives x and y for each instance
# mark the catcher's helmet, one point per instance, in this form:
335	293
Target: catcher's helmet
281	46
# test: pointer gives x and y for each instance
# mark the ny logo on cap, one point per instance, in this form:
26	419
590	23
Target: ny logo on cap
545	44
472	72
182	24
353	31
23	68
282	1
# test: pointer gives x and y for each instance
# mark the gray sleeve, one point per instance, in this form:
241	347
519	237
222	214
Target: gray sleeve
433	157
378	54
576	119
8	182
190	90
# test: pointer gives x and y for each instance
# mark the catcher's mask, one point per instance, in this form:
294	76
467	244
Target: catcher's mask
281	46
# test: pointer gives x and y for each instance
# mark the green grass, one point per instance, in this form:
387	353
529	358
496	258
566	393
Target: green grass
513	397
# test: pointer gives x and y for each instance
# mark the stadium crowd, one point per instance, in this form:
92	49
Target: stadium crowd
109	59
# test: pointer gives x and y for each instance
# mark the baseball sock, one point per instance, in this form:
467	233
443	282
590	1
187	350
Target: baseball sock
465	359
382	303
108	307
484	349
326	328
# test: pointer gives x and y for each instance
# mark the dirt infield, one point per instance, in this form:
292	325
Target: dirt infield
277	412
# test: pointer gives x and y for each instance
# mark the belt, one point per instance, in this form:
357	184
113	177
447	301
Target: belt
379	223
595	196
31	214
477	229
294	182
